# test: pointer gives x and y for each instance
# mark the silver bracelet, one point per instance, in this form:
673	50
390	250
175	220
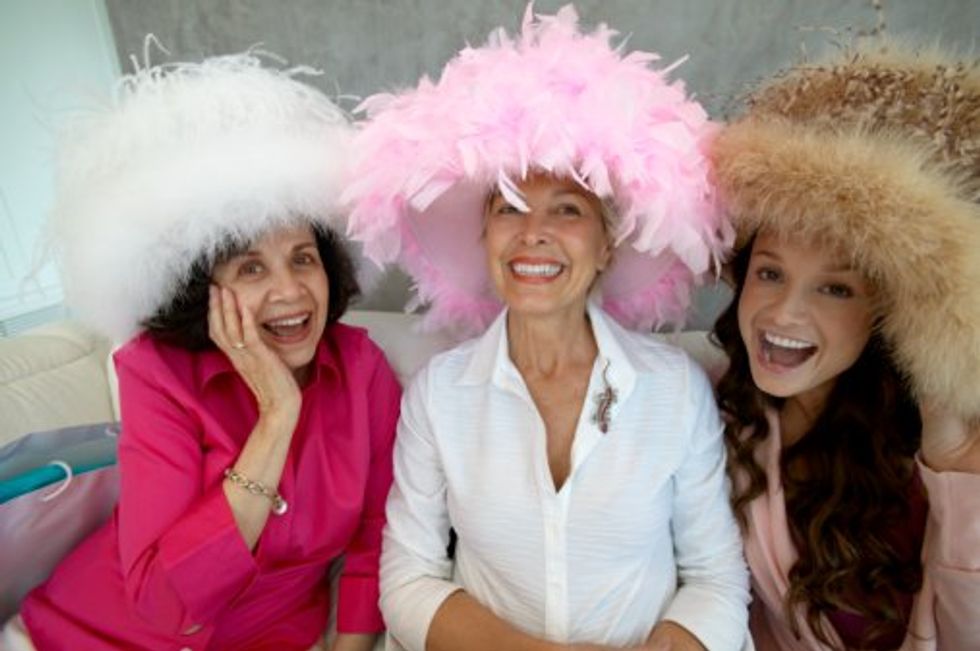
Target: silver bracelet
279	505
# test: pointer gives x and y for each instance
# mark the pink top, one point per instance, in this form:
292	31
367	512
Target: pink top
170	569
946	612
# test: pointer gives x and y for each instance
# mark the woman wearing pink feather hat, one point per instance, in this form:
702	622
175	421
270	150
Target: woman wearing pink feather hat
549	193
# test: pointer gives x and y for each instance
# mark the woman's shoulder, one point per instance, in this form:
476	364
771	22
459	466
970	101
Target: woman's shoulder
353	340
655	354
355	350
450	364
148	354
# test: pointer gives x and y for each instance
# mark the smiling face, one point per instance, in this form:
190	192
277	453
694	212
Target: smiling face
281	280
805	316
545	260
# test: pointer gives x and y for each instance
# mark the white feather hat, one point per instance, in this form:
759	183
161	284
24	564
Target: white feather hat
187	156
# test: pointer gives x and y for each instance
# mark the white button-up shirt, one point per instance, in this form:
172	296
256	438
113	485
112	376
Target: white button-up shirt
640	531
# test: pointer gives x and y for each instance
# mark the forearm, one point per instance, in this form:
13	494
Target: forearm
462	623
262	460
671	636
354	642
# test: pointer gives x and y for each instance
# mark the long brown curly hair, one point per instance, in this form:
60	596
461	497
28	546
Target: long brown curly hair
847	484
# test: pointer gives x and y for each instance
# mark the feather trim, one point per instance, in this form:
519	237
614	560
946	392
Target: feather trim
185	157
552	99
901	211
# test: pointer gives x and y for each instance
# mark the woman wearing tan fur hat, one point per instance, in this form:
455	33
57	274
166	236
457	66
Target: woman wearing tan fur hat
854	340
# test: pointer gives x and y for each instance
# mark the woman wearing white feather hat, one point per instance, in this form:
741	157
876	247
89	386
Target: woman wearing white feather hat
256	430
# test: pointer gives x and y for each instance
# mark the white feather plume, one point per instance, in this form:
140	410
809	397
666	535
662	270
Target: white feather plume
186	156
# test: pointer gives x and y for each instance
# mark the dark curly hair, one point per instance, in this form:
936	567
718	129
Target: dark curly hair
183	321
847	484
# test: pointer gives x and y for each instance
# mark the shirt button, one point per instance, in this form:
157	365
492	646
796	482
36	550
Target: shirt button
192	630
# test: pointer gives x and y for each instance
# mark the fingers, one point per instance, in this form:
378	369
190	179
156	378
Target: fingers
232	318
250	330
224	320
949	441
216	319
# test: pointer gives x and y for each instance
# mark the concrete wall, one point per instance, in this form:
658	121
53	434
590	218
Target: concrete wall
368	45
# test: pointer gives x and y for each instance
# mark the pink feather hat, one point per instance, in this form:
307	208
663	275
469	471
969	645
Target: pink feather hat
553	100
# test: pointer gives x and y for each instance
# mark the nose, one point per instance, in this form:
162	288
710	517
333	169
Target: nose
535	228
789	306
286	285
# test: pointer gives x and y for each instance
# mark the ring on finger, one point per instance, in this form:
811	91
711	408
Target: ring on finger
238	345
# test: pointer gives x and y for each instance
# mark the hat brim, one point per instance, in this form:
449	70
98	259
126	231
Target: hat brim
901	218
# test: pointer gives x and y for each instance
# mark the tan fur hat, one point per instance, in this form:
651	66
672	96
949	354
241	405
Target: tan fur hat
877	152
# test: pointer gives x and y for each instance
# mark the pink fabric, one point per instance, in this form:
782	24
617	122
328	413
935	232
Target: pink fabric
551	98
946	613
35	535
170	569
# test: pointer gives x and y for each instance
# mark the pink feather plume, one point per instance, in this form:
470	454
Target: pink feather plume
552	99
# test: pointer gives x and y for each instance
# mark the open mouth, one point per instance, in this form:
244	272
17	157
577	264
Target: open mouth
536	270
783	351
290	328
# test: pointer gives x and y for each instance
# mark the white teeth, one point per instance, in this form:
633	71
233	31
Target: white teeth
786	342
542	270
285	323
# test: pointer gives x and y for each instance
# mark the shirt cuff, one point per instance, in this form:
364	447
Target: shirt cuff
205	557
357	605
954	514
409	613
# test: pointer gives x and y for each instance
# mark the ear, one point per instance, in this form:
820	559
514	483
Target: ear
605	255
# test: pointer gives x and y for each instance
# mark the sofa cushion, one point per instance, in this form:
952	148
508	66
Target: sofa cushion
398	335
52	377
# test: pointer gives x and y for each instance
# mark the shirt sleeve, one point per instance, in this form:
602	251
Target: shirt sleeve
358	593
415	568
183	558
952	556
713	595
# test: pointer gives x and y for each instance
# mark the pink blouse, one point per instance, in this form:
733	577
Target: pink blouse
170	569
946	611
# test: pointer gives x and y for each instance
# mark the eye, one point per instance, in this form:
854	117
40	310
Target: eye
504	208
250	268
568	209
837	290
768	274
305	259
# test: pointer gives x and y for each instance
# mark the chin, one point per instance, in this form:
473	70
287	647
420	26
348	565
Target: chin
297	360
540	306
776	387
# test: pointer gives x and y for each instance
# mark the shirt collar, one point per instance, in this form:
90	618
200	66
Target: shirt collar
214	363
491	361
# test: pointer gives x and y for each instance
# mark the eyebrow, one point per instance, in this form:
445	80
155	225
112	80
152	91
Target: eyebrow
839	268
252	253
768	254
570	191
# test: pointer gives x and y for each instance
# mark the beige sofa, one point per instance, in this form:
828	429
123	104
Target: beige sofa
60	375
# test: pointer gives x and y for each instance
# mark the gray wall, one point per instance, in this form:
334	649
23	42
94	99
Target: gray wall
369	45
